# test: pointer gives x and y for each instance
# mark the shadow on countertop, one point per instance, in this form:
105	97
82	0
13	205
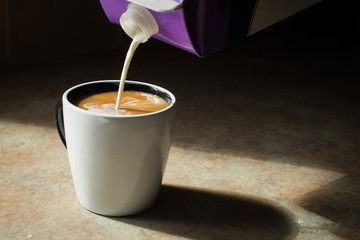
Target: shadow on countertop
203	214
338	201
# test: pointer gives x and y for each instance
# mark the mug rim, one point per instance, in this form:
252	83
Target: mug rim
74	107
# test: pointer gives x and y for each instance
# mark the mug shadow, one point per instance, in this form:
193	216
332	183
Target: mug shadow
202	214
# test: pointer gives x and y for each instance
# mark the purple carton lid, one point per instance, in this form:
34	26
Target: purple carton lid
172	25
200	27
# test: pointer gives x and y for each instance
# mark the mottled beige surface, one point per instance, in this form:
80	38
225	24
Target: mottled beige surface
266	142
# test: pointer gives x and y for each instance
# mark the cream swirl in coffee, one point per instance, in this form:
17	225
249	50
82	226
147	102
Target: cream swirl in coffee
132	103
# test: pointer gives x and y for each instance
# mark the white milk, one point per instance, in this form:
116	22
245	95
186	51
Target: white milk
140	25
134	44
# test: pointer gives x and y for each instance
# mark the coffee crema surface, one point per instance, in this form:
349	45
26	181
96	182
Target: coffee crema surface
132	103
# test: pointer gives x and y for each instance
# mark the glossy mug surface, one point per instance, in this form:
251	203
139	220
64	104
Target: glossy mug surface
117	161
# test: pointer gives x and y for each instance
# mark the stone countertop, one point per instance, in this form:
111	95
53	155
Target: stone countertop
266	142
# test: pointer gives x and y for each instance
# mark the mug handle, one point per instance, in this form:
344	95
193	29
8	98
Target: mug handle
59	120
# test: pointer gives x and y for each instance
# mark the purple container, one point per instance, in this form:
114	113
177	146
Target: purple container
200	27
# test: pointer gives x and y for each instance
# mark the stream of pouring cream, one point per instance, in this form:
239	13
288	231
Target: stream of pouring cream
134	44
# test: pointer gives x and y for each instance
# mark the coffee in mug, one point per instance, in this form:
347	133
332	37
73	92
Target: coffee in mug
132	103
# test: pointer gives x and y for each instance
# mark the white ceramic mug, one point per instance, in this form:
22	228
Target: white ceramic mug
117	162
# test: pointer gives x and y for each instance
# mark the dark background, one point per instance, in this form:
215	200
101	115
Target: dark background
42	29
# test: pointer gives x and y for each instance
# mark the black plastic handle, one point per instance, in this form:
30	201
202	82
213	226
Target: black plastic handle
59	119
